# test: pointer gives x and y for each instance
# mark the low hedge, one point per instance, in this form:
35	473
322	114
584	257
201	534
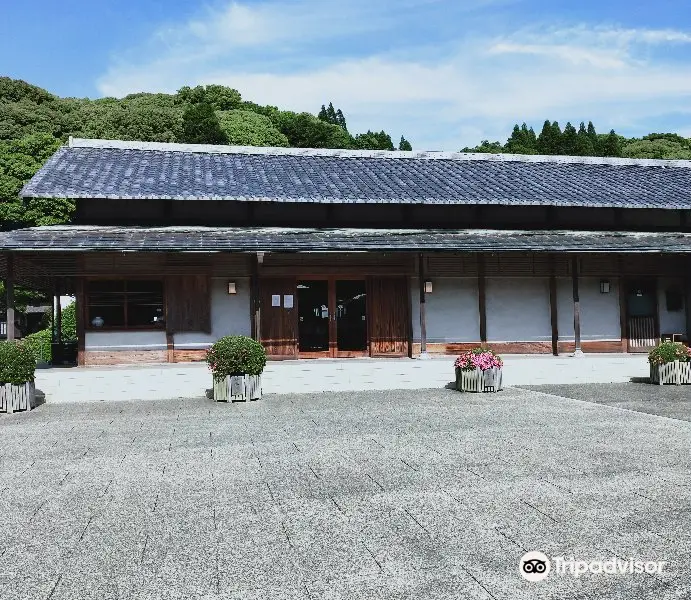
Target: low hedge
17	363
236	355
668	352
40	342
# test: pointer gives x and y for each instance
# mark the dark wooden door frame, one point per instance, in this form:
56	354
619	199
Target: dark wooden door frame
624	282
333	351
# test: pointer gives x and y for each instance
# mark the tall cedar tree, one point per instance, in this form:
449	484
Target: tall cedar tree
200	126
584	145
340	119
323	116
404	144
611	145
522	140
549	140
569	140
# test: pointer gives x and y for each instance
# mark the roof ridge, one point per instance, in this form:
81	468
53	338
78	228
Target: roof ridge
381	154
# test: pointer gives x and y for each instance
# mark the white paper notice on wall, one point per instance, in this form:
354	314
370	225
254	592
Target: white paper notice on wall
275	300
288	301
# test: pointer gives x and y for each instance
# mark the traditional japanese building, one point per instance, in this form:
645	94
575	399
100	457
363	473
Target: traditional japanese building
343	253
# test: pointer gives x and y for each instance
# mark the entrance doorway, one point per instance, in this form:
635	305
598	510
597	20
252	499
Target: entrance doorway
641	315
332	317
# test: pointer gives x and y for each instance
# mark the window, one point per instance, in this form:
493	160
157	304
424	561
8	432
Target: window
125	304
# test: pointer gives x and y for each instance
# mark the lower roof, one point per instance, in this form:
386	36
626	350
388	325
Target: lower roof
91	238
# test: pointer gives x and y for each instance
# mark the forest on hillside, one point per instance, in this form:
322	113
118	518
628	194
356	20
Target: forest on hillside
585	141
34	123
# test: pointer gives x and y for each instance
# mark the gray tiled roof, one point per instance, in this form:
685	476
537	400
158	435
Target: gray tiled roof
238	239
117	170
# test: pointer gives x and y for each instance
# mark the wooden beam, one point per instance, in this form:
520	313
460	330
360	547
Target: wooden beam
9	290
423	316
553	314
482	296
576	306
255	322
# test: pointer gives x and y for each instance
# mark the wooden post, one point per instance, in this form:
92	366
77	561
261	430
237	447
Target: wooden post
9	289
423	319
576	308
482	297
80	314
58	313
254	299
553	314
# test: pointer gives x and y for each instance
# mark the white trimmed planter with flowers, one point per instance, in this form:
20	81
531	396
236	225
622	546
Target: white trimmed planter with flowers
670	364
236	363
478	370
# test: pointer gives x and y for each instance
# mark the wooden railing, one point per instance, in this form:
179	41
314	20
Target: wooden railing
642	332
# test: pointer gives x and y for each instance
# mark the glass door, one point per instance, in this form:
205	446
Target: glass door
313	317
351	317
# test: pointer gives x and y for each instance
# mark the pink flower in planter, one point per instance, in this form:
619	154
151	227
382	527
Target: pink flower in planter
478	358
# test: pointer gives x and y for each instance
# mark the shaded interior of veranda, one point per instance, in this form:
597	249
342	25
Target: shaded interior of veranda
520	268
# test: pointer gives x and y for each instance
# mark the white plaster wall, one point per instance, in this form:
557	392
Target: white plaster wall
518	309
451	312
230	315
124	340
599	312
670	321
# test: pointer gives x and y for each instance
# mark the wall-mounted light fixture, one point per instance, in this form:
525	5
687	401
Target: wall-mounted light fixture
428	287
604	286
232	287
260	258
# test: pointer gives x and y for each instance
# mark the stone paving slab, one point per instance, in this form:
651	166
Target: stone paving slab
673	401
394	494
191	380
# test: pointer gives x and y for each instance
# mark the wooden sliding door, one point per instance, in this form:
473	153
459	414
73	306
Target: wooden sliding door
278	317
389	316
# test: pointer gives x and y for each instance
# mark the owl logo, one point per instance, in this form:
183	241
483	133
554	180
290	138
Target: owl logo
534	566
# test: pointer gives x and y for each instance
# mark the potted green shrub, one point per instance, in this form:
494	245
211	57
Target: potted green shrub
237	363
17	370
478	370
670	362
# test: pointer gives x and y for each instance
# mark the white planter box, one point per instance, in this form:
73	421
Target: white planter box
240	388
675	373
17	397
489	380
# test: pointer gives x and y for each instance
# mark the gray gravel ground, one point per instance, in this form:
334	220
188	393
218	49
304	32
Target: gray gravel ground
408	494
663	400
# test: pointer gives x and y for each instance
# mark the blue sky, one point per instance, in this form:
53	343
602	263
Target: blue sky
446	73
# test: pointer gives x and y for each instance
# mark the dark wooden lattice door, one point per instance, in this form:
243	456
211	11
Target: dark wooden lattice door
388	316
278	310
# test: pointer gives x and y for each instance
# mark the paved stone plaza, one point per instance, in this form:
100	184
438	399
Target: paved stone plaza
189	380
395	494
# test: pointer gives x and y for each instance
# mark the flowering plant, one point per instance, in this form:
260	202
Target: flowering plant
668	352
478	358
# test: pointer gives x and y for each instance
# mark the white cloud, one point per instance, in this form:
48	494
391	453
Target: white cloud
439	100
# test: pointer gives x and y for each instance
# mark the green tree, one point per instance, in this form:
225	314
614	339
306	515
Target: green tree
374	141
304	130
341	120
246	128
658	147
200	125
611	145
19	161
486	147
404	144
584	144
219	97
522	140
569	141
549	140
